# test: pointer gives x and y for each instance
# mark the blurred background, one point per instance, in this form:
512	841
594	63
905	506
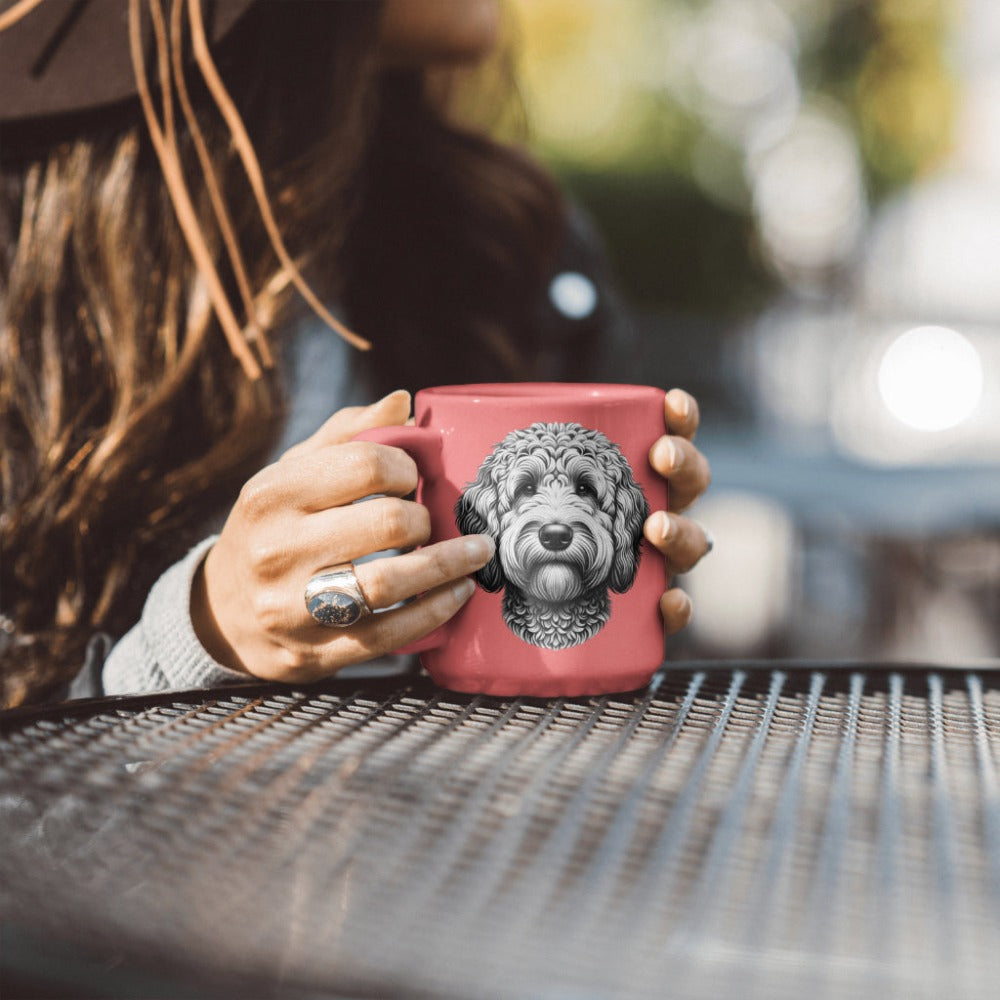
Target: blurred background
800	200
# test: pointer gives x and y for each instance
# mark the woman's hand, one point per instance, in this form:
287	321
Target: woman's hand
682	541
297	517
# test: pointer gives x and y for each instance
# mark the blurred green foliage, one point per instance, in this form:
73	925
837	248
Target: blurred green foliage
625	108
671	245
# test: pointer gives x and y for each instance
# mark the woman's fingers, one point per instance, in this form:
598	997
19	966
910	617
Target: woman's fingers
381	634
438	573
683	466
674	456
294	544
385	582
347	533
350	421
675	607
329	477
681	413
682	541
335	476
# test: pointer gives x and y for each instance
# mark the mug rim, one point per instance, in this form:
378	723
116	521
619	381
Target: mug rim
526	392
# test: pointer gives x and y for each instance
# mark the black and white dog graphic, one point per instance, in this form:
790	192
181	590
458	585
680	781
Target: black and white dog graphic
566	513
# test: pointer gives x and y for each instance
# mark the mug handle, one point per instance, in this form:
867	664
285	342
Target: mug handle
424	446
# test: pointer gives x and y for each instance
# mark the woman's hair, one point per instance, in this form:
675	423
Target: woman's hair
127	423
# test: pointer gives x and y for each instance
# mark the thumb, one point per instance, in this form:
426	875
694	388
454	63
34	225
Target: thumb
389	411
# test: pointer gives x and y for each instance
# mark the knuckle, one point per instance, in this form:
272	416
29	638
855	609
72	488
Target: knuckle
294	663
402	522
378	642
408	474
369	462
393	520
421	522
396	632
443	564
269	610
266	558
439	604
375	581
398	628
380	467
256	496
293	454
375	585
445	602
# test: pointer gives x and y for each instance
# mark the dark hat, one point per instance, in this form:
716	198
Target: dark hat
67	56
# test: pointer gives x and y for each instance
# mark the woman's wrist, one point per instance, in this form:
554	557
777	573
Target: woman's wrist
206	625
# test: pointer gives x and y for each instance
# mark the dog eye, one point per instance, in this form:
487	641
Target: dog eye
524	490
586	490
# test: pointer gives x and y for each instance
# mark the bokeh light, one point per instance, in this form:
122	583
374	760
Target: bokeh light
931	378
744	591
934	253
573	294
809	196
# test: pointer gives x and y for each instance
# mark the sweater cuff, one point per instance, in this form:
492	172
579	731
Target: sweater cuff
162	652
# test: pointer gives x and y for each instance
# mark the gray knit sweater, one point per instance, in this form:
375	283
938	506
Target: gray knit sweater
161	652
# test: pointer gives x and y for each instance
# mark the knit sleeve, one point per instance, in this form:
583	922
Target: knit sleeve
161	652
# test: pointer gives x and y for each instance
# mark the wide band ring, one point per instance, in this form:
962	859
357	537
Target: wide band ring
334	597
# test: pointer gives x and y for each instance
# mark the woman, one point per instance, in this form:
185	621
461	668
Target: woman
154	345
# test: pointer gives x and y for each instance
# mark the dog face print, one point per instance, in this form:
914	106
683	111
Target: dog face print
566	513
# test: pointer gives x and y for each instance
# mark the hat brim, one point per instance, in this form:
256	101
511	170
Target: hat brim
68	56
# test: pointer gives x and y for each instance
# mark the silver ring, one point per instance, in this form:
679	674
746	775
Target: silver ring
334	597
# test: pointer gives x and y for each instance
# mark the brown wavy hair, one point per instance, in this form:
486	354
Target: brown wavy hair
126	421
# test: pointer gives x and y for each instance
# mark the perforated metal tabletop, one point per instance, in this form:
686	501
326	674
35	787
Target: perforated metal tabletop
734	830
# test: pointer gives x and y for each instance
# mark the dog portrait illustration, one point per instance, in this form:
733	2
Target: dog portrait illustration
566	513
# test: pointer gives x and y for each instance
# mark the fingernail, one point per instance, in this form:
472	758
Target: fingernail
680	401
463	589
669	455
665	525
479	548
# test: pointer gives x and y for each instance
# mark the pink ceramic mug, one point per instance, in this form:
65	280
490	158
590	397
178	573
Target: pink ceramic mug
559	475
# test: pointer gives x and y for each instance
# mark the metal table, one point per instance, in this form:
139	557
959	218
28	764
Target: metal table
756	830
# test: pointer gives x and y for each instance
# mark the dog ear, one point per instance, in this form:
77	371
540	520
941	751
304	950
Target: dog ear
631	511
477	513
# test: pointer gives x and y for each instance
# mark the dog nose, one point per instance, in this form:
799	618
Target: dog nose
555	537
